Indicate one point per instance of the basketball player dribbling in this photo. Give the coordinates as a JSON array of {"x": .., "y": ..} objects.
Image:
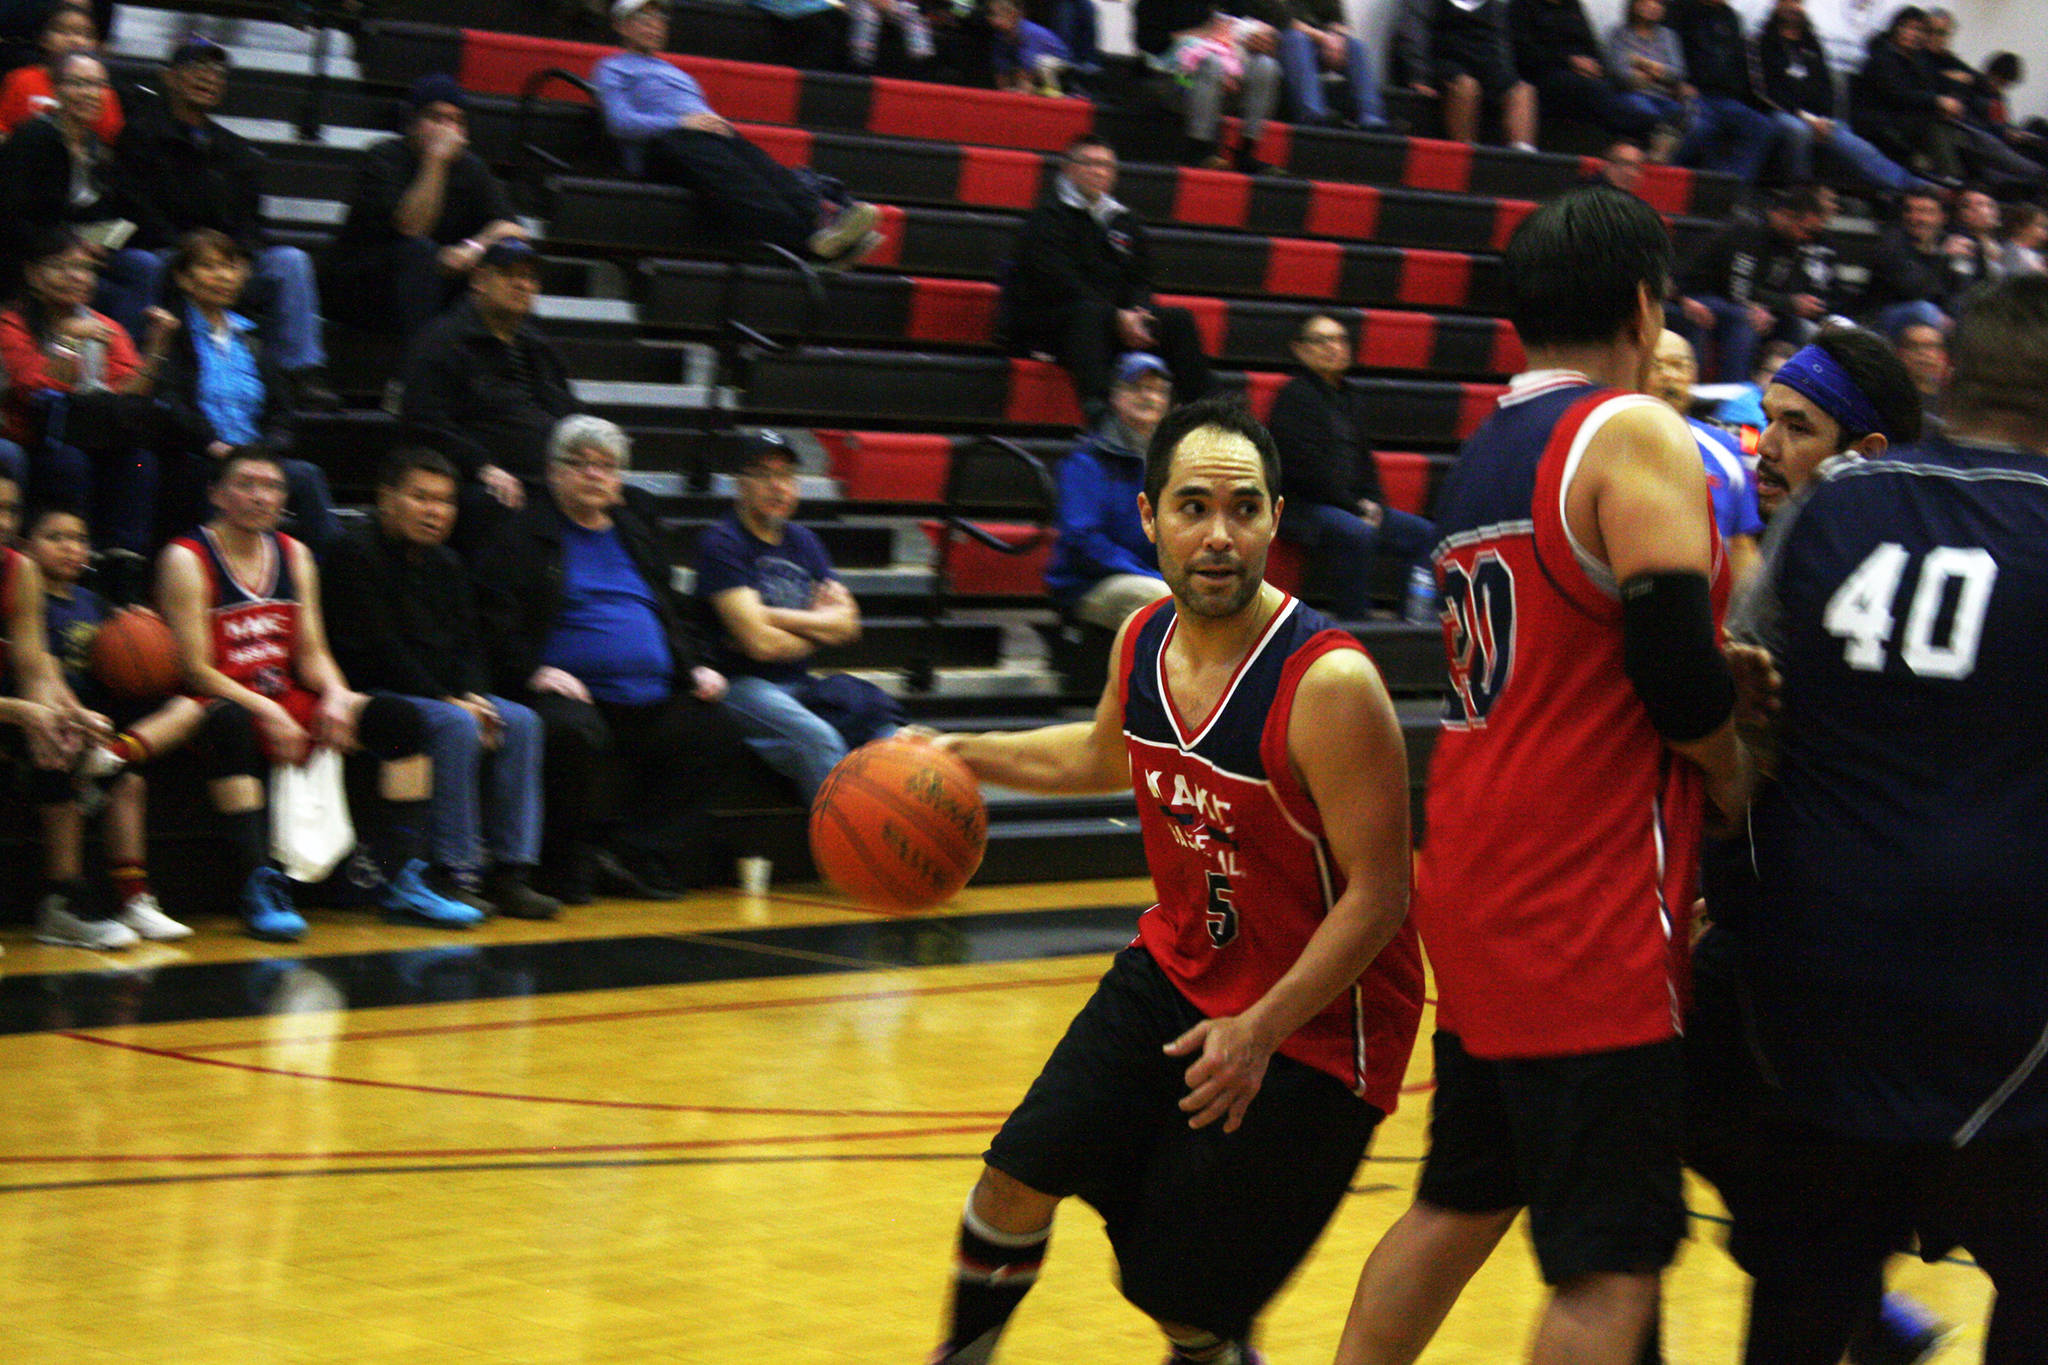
[{"x": 1214, "y": 1097}]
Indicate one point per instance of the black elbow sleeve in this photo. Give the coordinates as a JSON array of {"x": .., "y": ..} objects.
[{"x": 1672, "y": 657}]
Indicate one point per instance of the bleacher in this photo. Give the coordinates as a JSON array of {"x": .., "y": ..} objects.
[{"x": 887, "y": 375}]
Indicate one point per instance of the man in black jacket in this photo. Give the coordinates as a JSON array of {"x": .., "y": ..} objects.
[
  {"x": 1729, "y": 133},
  {"x": 404, "y": 621},
  {"x": 1753, "y": 281},
  {"x": 1897, "y": 103},
  {"x": 584, "y": 628},
  {"x": 1555, "y": 51},
  {"x": 485, "y": 388},
  {"x": 1920, "y": 271},
  {"x": 176, "y": 169},
  {"x": 1080, "y": 290},
  {"x": 1335, "y": 509},
  {"x": 1800, "y": 86}
]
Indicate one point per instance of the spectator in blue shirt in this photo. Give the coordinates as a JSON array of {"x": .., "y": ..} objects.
[
  {"x": 771, "y": 588},
  {"x": 1104, "y": 567},
  {"x": 668, "y": 132},
  {"x": 1027, "y": 57}
]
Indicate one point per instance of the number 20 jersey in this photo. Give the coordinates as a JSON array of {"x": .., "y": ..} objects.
[
  {"x": 1237, "y": 854},
  {"x": 1560, "y": 861}
]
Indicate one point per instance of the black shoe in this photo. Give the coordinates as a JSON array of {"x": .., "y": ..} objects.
[
  {"x": 1246, "y": 160},
  {"x": 312, "y": 393},
  {"x": 442, "y": 882},
  {"x": 614, "y": 878},
  {"x": 507, "y": 888}
]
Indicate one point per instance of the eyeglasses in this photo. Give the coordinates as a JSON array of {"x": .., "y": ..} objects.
[
  {"x": 581, "y": 466},
  {"x": 1326, "y": 339}
]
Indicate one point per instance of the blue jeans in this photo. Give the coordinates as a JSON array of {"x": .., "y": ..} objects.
[
  {"x": 1300, "y": 58},
  {"x": 790, "y": 738},
  {"x": 1662, "y": 108},
  {"x": 486, "y": 805},
  {"x": 1748, "y": 133},
  {"x": 1796, "y": 143},
  {"x": 1342, "y": 548},
  {"x": 284, "y": 293}
]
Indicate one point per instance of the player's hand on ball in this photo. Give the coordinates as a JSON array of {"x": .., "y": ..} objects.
[{"x": 1226, "y": 1075}]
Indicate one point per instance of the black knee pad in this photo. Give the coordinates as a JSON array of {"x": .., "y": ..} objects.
[
  {"x": 229, "y": 744},
  {"x": 391, "y": 728}
]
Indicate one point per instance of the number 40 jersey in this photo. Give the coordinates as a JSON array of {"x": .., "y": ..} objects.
[
  {"x": 1237, "y": 854},
  {"x": 1560, "y": 862}
]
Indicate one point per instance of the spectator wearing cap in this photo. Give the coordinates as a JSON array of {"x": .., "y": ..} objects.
[
  {"x": 1334, "y": 506},
  {"x": 1104, "y": 566},
  {"x": 485, "y": 388},
  {"x": 668, "y": 132},
  {"x": 30, "y": 91},
  {"x": 424, "y": 209},
  {"x": 179, "y": 170},
  {"x": 56, "y": 172},
  {"x": 771, "y": 587}
]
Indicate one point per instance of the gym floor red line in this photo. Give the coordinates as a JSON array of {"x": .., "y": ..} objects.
[{"x": 616, "y": 1016}]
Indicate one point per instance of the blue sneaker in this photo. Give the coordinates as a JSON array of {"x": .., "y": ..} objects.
[
  {"x": 1904, "y": 1334},
  {"x": 407, "y": 897},
  {"x": 267, "y": 910}
]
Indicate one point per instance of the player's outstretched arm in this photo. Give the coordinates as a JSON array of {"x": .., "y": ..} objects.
[
  {"x": 1345, "y": 742},
  {"x": 1086, "y": 756},
  {"x": 1647, "y": 505}
]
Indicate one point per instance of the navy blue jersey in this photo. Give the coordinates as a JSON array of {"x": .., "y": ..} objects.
[{"x": 1891, "y": 918}]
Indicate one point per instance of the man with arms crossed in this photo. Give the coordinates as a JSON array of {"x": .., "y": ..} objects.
[
  {"x": 1214, "y": 1097},
  {"x": 1591, "y": 722}
]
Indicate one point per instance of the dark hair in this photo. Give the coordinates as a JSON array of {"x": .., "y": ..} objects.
[
  {"x": 1875, "y": 369},
  {"x": 1800, "y": 17},
  {"x": 201, "y": 242},
  {"x": 59, "y": 11},
  {"x": 251, "y": 453},
  {"x": 1629, "y": 15},
  {"x": 1082, "y": 143},
  {"x": 1320, "y": 315},
  {"x": 2015, "y": 217},
  {"x": 1907, "y": 14},
  {"x": 1998, "y": 353},
  {"x": 1920, "y": 192},
  {"x": 1227, "y": 413},
  {"x": 1576, "y": 267},
  {"x": 1804, "y": 197},
  {"x": 2005, "y": 66},
  {"x": 44, "y": 245},
  {"x": 43, "y": 511},
  {"x": 405, "y": 461}
]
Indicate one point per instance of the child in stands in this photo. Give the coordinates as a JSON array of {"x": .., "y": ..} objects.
[{"x": 60, "y": 543}]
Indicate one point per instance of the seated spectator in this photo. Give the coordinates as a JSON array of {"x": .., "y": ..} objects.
[
  {"x": 1923, "y": 350},
  {"x": 55, "y": 172},
  {"x": 1334, "y": 508},
  {"x": 30, "y": 92},
  {"x": 2002, "y": 72},
  {"x": 1919, "y": 271},
  {"x": 864, "y": 20},
  {"x": 66, "y": 912},
  {"x": 179, "y": 170},
  {"x": 584, "y": 628},
  {"x": 1028, "y": 58},
  {"x": 220, "y": 390},
  {"x": 77, "y": 396},
  {"x": 1728, "y": 133},
  {"x": 1896, "y": 103},
  {"x": 1752, "y": 282},
  {"x": 1080, "y": 285},
  {"x": 1206, "y": 66},
  {"x": 1646, "y": 63},
  {"x": 770, "y": 585},
  {"x": 1318, "y": 38},
  {"x": 668, "y": 132},
  {"x": 405, "y": 623},
  {"x": 1987, "y": 155},
  {"x": 1977, "y": 218},
  {"x": 1672, "y": 372},
  {"x": 1074, "y": 23},
  {"x": 1103, "y": 565},
  {"x": 485, "y": 388},
  {"x": 1460, "y": 49},
  {"x": 1620, "y": 166},
  {"x": 2022, "y": 232},
  {"x": 1555, "y": 51},
  {"x": 1799, "y": 83},
  {"x": 244, "y": 604},
  {"x": 424, "y": 210}
]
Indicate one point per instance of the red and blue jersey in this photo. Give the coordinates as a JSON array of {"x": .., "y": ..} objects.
[
  {"x": 1561, "y": 856},
  {"x": 255, "y": 622},
  {"x": 1238, "y": 856}
]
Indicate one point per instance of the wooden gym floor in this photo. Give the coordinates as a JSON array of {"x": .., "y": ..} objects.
[{"x": 733, "y": 1129}]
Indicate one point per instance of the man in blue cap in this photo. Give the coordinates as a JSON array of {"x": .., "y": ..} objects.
[{"x": 1103, "y": 565}]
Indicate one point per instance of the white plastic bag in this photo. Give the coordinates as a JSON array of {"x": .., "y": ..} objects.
[{"x": 310, "y": 832}]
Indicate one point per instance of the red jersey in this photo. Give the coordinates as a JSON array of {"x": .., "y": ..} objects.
[
  {"x": 255, "y": 622},
  {"x": 11, "y": 562},
  {"x": 1237, "y": 854},
  {"x": 1561, "y": 858}
]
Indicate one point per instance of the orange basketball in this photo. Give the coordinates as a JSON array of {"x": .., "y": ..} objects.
[
  {"x": 898, "y": 825},
  {"x": 135, "y": 655}
]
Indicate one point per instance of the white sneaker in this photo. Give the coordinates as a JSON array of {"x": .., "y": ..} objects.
[
  {"x": 56, "y": 924},
  {"x": 148, "y": 920}
]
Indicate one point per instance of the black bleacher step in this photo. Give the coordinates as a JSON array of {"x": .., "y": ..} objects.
[
  {"x": 1410, "y": 658},
  {"x": 903, "y": 641},
  {"x": 1062, "y": 850}
]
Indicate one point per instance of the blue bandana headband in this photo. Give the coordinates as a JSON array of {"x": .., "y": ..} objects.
[{"x": 1817, "y": 375}]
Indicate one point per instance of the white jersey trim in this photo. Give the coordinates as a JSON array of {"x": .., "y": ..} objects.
[
  {"x": 1244, "y": 666},
  {"x": 1602, "y": 577},
  {"x": 1535, "y": 383}
]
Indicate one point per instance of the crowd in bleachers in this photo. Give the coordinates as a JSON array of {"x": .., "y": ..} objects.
[{"x": 160, "y": 345}]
